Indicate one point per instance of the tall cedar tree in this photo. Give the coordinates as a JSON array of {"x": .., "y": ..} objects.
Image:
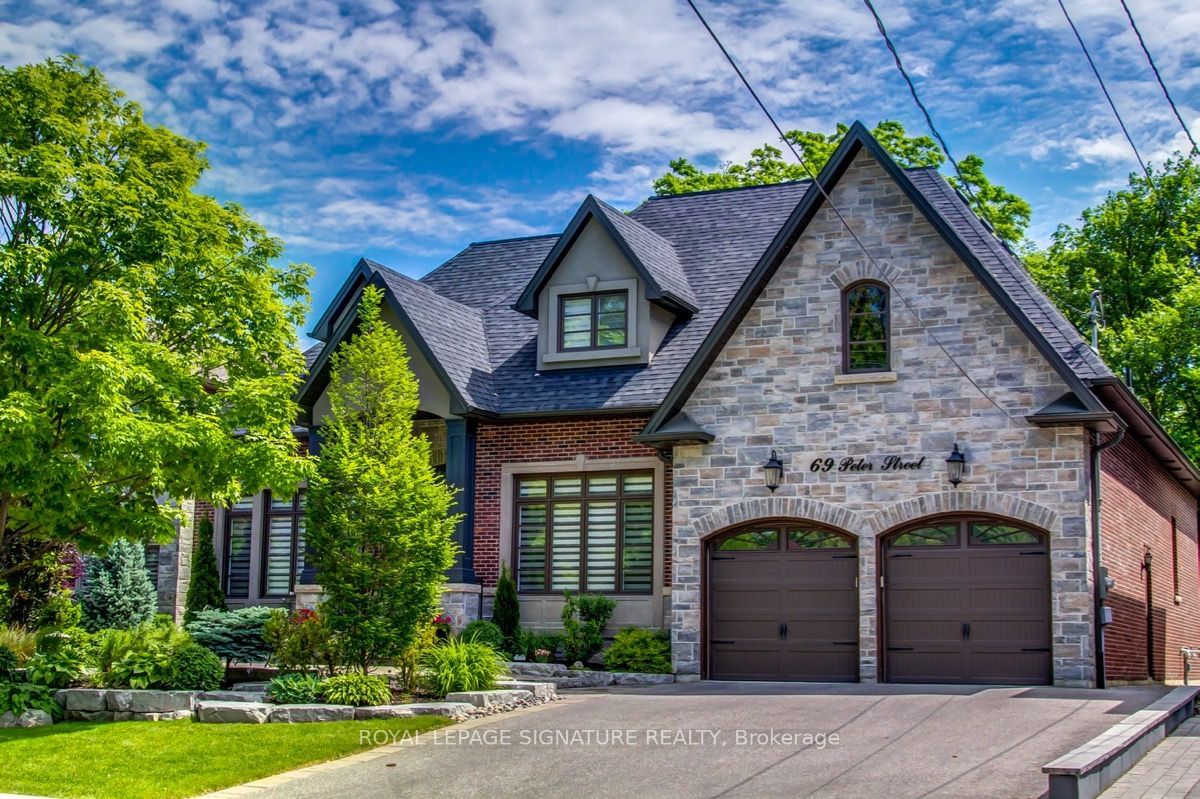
[
  {"x": 147, "y": 338},
  {"x": 204, "y": 589},
  {"x": 379, "y": 523},
  {"x": 116, "y": 590}
]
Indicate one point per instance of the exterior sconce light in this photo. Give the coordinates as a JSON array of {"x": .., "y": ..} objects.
[
  {"x": 773, "y": 471},
  {"x": 954, "y": 466}
]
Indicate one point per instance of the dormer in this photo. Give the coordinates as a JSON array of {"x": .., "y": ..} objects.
[{"x": 607, "y": 293}]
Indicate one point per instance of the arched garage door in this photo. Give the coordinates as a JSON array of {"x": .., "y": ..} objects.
[
  {"x": 783, "y": 604},
  {"x": 967, "y": 601}
]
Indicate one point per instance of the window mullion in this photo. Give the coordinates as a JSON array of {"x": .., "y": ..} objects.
[{"x": 584, "y": 509}]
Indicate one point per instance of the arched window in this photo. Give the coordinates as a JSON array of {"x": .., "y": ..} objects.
[{"x": 866, "y": 317}]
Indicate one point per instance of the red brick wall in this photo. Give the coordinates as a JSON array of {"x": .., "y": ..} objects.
[
  {"x": 547, "y": 440},
  {"x": 1140, "y": 499}
]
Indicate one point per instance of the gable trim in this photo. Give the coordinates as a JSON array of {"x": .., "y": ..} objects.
[
  {"x": 855, "y": 140},
  {"x": 591, "y": 210},
  {"x": 318, "y": 376}
]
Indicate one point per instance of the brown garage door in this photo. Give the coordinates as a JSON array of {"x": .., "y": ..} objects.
[
  {"x": 783, "y": 605},
  {"x": 967, "y": 601}
]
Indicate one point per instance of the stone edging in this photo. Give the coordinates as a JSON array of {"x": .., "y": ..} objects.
[
  {"x": 1085, "y": 772},
  {"x": 563, "y": 677},
  {"x": 123, "y": 704}
]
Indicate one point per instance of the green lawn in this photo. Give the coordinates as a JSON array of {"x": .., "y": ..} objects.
[{"x": 132, "y": 759}]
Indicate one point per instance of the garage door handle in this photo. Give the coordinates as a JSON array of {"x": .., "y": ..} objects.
[
  {"x": 783, "y": 631},
  {"x": 966, "y": 630}
]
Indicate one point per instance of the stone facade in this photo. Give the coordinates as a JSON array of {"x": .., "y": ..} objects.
[
  {"x": 778, "y": 384},
  {"x": 175, "y": 564}
]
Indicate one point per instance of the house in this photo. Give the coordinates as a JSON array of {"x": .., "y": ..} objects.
[{"x": 806, "y": 462}]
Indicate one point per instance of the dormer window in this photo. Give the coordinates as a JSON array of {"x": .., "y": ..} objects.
[{"x": 595, "y": 321}]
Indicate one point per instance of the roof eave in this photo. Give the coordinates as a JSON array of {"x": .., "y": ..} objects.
[{"x": 1149, "y": 431}]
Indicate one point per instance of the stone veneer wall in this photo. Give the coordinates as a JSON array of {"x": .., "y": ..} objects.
[
  {"x": 776, "y": 385},
  {"x": 1145, "y": 509},
  {"x": 175, "y": 564}
]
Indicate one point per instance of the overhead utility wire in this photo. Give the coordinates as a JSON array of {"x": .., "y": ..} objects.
[
  {"x": 912, "y": 89},
  {"x": 1158, "y": 77},
  {"x": 837, "y": 211},
  {"x": 1104, "y": 88}
]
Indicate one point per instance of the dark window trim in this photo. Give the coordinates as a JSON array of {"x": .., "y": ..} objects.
[
  {"x": 887, "y": 327},
  {"x": 782, "y": 541},
  {"x": 585, "y": 496},
  {"x": 964, "y": 539},
  {"x": 595, "y": 320},
  {"x": 296, "y": 513},
  {"x": 232, "y": 513},
  {"x": 1175, "y": 555}
]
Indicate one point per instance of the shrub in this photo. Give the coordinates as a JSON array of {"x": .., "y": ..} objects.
[
  {"x": 506, "y": 609},
  {"x": 408, "y": 664},
  {"x": 22, "y": 642},
  {"x": 584, "y": 618},
  {"x": 485, "y": 632},
  {"x": 17, "y": 697},
  {"x": 117, "y": 591},
  {"x": 8, "y": 663},
  {"x": 297, "y": 640},
  {"x": 59, "y": 611},
  {"x": 296, "y": 689},
  {"x": 532, "y": 642},
  {"x": 195, "y": 668},
  {"x": 112, "y": 645},
  {"x": 635, "y": 649},
  {"x": 236, "y": 635},
  {"x": 204, "y": 590},
  {"x": 56, "y": 669},
  {"x": 140, "y": 669},
  {"x": 359, "y": 690},
  {"x": 461, "y": 665}
]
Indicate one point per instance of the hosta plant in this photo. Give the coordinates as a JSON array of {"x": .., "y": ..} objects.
[
  {"x": 360, "y": 690},
  {"x": 295, "y": 689}
]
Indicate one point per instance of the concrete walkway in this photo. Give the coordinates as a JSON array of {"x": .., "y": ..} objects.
[
  {"x": 1170, "y": 771},
  {"x": 739, "y": 740}
]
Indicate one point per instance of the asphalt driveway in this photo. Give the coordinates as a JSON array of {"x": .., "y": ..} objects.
[{"x": 745, "y": 740}]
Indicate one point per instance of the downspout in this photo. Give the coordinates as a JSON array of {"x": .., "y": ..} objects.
[{"x": 1097, "y": 574}]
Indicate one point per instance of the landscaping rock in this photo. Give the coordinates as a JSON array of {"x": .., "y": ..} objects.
[
  {"x": 449, "y": 709},
  {"x": 300, "y": 714},
  {"x": 87, "y": 700},
  {"x": 118, "y": 700},
  {"x": 161, "y": 701},
  {"x": 252, "y": 687},
  {"x": 641, "y": 678},
  {"x": 123, "y": 715},
  {"x": 232, "y": 712},
  {"x": 541, "y": 690},
  {"x": 170, "y": 715},
  {"x": 382, "y": 712},
  {"x": 584, "y": 679},
  {"x": 527, "y": 669},
  {"x": 7, "y": 720},
  {"x": 231, "y": 696},
  {"x": 34, "y": 718},
  {"x": 489, "y": 698},
  {"x": 89, "y": 715}
]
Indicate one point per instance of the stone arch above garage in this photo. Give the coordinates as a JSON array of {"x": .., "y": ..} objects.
[
  {"x": 748, "y": 510},
  {"x": 958, "y": 502}
]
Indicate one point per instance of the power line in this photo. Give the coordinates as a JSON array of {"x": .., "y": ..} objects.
[
  {"x": 837, "y": 211},
  {"x": 1158, "y": 77},
  {"x": 1104, "y": 88},
  {"x": 912, "y": 89}
]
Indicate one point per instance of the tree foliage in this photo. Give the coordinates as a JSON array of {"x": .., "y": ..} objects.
[
  {"x": 379, "y": 523},
  {"x": 506, "y": 608},
  {"x": 1139, "y": 247},
  {"x": 147, "y": 340},
  {"x": 116, "y": 590},
  {"x": 1007, "y": 212},
  {"x": 204, "y": 589}
]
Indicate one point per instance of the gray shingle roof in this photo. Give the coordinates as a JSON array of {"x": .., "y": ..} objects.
[
  {"x": 656, "y": 254},
  {"x": 706, "y": 243}
]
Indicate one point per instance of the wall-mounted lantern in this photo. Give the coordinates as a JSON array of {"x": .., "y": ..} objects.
[
  {"x": 955, "y": 465},
  {"x": 773, "y": 471}
]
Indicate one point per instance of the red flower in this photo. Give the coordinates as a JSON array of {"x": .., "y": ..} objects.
[
  {"x": 443, "y": 618},
  {"x": 303, "y": 616}
]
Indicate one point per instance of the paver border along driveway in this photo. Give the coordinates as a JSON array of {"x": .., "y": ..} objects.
[{"x": 743, "y": 740}]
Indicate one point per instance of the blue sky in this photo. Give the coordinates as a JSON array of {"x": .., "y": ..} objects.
[{"x": 403, "y": 131}]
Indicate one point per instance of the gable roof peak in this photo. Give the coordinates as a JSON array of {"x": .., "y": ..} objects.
[{"x": 651, "y": 256}]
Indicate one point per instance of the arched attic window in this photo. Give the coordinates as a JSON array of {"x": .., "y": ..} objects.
[{"x": 866, "y": 328}]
